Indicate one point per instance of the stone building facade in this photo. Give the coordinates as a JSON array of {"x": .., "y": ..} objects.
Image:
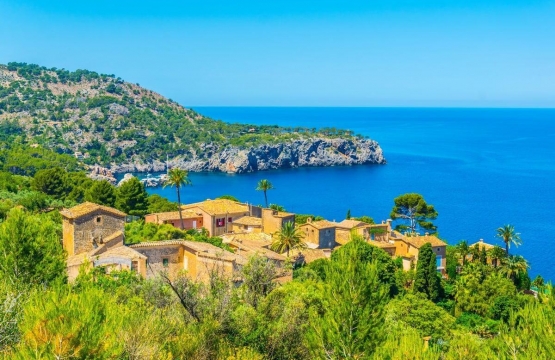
[{"x": 85, "y": 226}]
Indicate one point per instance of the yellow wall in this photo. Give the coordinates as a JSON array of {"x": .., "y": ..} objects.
[{"x": 68, "y": 240}]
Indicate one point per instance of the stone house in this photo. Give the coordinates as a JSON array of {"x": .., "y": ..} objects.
[
  {"x": 408, "y": 247},
  {"x": 191, "y": 219},
  {"x": 94, "y": 235},
  {"x": 273, "y": 220},
  {"x": 319, "y": 234},
  {"x": 247, "y": 224},
  {"x": 249, "y": 244},
  {"x": 86, "y": 226},
  {"x": 198, "y": 259},
  {"x": 218, "y": 215},
  {"x": 483, "y": 245}
]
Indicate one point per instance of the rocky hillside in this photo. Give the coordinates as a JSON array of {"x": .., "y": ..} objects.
[{"x": 108, "y": 122}]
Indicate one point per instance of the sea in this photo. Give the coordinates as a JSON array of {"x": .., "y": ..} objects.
[{"x": 480, "y": 168}]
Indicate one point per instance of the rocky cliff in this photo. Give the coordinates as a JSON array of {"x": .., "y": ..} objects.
[
  {"x": 308, "y": 152},
  {"x": 114, "y": 126}
]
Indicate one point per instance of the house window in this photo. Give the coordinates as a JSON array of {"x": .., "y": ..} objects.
[
  {"x": 166, "y": 262},
  {"x": 229, "y": 220},
  {"x": 98, "y": 219},
  {"x": 372, "y": 236},
  {"x": 135, "y": 266},
  {"x": 220, "y": 222},
  {"x": 245, "y": 227},
  {"x": 437, "y": 249},
  {"x": 438, "y": 262}
]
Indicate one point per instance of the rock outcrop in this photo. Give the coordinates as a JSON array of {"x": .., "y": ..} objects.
[{"x": 309, "y": 152}]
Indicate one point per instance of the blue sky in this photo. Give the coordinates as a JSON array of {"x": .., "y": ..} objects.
[{"x": 292, "y": 53}]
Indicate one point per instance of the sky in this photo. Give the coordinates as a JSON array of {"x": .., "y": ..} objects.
[{"x": 431, "y": 53}]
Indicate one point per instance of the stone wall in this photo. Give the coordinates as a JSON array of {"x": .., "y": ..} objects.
[
  {"x": 93, "y": 227},
  {"x": 156, "y": 256}
]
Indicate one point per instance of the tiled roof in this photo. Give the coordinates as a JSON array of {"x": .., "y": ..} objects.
[
  {"x": 418, "y": 241},
  {"x": 322, "y": 224},
  {"x": 350, "y": 224},
  {"x": 121, "y": 251},
  {"x": 255, "y": 247},
  {"x": 482, "y": 244},
  {"x": 282, "y": 214},
  {"x": 249, "y": 220},
  {"x": 203, "y": 249},
  {"x": 311, "y": 255},
  {"x": 260, "y": 238},
  {"x": 174, "y": 215},
  {"x": 219, "y": 206},
  {"x": 382, "y": 244},
  {"x": 87, "y": 208},
  {"x": 112, "y": 236}
]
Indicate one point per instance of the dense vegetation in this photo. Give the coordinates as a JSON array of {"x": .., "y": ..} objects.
[
  {"x": 109, "y": 120},
  {"x": 358, "y": 304}
]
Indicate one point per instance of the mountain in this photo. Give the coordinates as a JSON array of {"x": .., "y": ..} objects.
[{"x": 111, "y": 123}]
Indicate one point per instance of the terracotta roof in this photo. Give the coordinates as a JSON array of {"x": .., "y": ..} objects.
[
  {"x": 321, "y": 224},
  {"x": 282, "y": 214},
  {"x": 203, "y": 249},
  {"x": 121, "y": 251},
  {"x": 254, "y": 247},
  {"x": 112, "y": 236},
  {"x": 418, "y": 241},
  {"x": 311, "y": 255},
  {"x": 87, "y": 208},
  {"x": 351, "y": 224},
  {"x": 174, "y": 215},
  {"x": 260, "y": 238},
  {"x": 219, "y": 206},
  {"x": 249, "y": 220},
  {"x": 382, "y": 244},
  {"x": 482, "y": 244}
]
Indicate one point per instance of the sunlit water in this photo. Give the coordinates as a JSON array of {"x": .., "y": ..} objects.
[{"x": 481, "y": 168}]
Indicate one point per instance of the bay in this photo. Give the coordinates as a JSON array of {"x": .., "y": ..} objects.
[{"x": 480, "y": 168}]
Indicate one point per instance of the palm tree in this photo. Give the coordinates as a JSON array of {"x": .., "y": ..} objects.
[
  {"x": 509, "y": 235},
  {"x": 288, "y": 238},
  {"x": 514, "y": 265},
  {"x": 265, "y": 185},
  {"x": 497, "y": 254},
  {"x": 462, "y": 249},
  {"x": 178, "y": 178}
]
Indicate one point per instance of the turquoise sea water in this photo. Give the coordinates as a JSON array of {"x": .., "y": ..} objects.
[{"x": 481, "y": 168}]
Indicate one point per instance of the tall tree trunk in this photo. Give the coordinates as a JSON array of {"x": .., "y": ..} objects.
[
  {"x": 179, "y": 206},
  {"x": 507, "y": 247}
]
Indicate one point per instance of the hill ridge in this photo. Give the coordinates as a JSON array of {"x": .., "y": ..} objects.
[{"x": 124, "y": 127}]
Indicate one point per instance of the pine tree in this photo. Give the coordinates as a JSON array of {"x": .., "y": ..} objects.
[
  {"x": 132, "y": 198},
  {"x": 350, "y": 325},
  {"x": 102, "y": 193}
]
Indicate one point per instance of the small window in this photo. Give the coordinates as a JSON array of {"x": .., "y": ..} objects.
[
  {"x": 135, "y": 266},
  {"x": 166, "y": 262},
  {"x": 98, "y": 219},
  {"x": 229, "y": 220}
]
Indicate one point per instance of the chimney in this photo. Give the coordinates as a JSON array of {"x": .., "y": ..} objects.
[
  {"x": 481, "y": 240},
  {"x": 426, "y": 233}
]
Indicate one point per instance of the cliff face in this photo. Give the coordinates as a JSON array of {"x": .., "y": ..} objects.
[
  {"x": 309, "y": 152},
  {"x": 114, "y": 126}
]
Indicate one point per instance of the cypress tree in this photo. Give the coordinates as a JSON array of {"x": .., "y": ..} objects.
[{"x": 427, "y": 280}]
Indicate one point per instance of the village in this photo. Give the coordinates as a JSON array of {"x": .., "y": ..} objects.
[{"x": 94, "y": 235}]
